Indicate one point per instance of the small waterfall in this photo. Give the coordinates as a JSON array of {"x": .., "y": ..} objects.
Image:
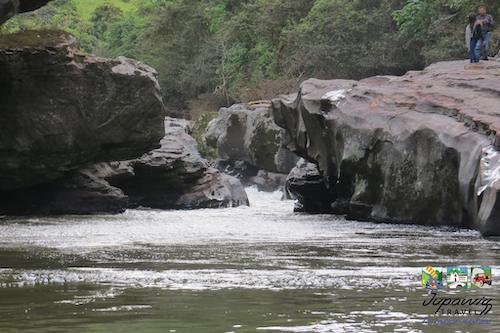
[{"x": 489, "y": 169}]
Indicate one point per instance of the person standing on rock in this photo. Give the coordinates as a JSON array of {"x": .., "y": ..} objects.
[
  {"x": 474, "y": 38},
  {"x": 487, "y": 24}
]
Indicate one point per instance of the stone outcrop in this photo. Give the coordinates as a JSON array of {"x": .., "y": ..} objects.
[
  {"x": 248, "y": 134},
  {"x": 401, "y": 149},
  {"x": 61, "y": 109}
]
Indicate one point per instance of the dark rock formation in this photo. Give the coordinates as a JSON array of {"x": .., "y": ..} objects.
[
  {"x": 9, "y": 8},
  {"x": 175, "y": 176},
  {"x": 63, "y": 109},
  {"x": 247, "y": 134},
  {"x": 80, "y": 192},
  {"x": 306, "y": 184},
  {"x": 401, "y": 149},
  {"x": 213, "y": 190},
  {"x": 30, "y": 5}
]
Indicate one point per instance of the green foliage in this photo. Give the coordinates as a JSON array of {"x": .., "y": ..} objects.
[
  {"x": 435, "y": 28},
  {"x": 180, "y": 45},
  {"x": 229, "y": 48},
  {"x": 354, "y": 42},
  {"x": 103, "y": 17}
]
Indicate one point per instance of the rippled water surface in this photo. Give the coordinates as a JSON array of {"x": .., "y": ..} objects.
[{"x": 258, "y": 269}]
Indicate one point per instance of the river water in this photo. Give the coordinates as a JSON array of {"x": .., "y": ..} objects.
[{"x": 248, "y": 269}]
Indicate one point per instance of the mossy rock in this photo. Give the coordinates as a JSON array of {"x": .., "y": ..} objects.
[{"x": 36, "y": 39}]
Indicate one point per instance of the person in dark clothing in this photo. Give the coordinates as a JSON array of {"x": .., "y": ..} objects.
[
  {"x": 487, "y": 26},
  {"x": 474, "y": 38}
]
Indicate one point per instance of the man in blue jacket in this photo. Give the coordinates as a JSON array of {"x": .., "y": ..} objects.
[{"x": 488, "y": 24}]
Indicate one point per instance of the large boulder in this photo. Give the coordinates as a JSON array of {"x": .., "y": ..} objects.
[
  {"x": 248, "y": 133},
  {"x": 402, "y": 149},
  {"x": 175, "y": 176},
  {"x": 307, "y": 185},
  {"x": 61, "y": 109}
]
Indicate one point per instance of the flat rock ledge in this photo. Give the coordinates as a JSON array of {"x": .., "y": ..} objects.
[{"x": 416, "y": 149}]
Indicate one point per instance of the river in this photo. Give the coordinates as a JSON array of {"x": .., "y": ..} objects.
[{"x": 249, "y": 269}]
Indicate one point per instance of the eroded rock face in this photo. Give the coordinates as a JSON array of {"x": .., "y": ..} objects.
[
  {"x": 401, "y": 149},
  {"x": 63, "y": 109},
  {"x": 248, "y": 133}
]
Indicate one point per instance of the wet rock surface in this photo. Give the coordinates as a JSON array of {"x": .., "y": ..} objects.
[
  {"x": 81, "y": 192},
  {"x": 401, "y": 149}
]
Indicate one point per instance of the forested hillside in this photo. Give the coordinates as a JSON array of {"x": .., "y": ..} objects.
[{"x": 214, "y": 52}]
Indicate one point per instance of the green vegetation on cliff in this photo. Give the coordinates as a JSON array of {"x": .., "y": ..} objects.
[{"x": 230, "y": 50}]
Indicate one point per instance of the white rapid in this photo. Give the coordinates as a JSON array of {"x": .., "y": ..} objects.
[{"x": 259, "y": 268}]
